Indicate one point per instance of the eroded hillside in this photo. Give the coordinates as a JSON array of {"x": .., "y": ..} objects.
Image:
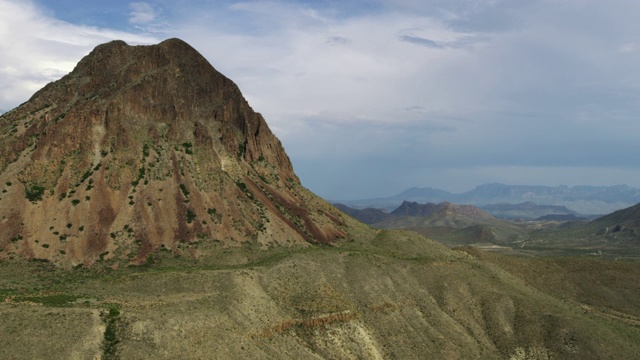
[{"x": 397, "y": 295}]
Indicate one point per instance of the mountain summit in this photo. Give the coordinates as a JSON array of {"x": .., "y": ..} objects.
[{"x": 148, "y": 148}]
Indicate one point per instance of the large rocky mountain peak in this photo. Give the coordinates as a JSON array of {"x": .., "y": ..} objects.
[{"x": 142, "y": 149}]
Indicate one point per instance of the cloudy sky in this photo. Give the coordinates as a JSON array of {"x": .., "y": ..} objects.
[{"x": 371, "y": 97}]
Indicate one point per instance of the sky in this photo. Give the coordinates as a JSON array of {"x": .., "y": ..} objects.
[{"x": 371, "y": 97}]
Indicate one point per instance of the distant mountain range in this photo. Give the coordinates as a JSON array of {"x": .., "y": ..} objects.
[
  {"x": 581, "y": 199},
  {"x": 527, "y": 210},
  {"x": 412, "y": 209},
  {"x": 524, "y": 211},
  {"x": 614, "y": 235}
]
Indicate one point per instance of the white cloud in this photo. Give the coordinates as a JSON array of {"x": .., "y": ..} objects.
[
  {"x": 629, "y": 47},
  {"x": 142, "y": 13},
  {"x": 356, "y": 69},
  {"x": 339, "y": 87},
  {"x": 431, "y": 85},
  {"x": 36, "y": 49}
]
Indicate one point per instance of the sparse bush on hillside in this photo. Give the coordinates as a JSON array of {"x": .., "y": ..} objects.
[
  {"x": 242, "y": 149},
  {"x": 145, "y": 150},
  {"x": 184, "y": 190},
  {"x": 191, "y": 216},
  {"x": 34, "y": 193},
  {"x": 188, "y": 148},
  {"x": 245, "y": 189}
]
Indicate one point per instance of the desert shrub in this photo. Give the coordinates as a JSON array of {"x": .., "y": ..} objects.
[
  {"x": 188, "y": 148},
  {"x": 86, "y": 175},
  {"x": 242, "y": 149},
  {"x": 110, "y": 336},
  {"x": 34, "y": 193},
  {"x": 184, "y": 190},
  {"x": 145, "y": 150},
  {"x": 191, "y": 216}
]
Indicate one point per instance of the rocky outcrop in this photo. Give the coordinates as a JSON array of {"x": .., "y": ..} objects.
[
  {"x": 148, "y": 148},
  {"x": 410, "y": 208}
]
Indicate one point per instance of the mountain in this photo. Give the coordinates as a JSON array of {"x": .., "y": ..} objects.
[
  {"x": 143, "y": 149},
  {"x": 615, "y": 235},
  {"x": 526, "y": 210},
  {"x": 561, "y": 217},
  {"x": 578, "y": 199},
  {"x": 622, "y": 220},
  {"x": 450, "y": 224},
  {"x": 454, "y": 225},
  {"x": 367, "y": 216},
  {"x": 409, "y": 208}
]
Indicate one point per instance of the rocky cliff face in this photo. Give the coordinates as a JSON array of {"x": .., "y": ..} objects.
[{"x": 142, "y": 149}]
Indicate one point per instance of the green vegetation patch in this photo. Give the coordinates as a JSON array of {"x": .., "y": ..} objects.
[
  {"x": 184, "y": 190},
  {"x": 245, "y": 189},
  {"x": 191, "y": 216},
  {"x": 58, "y": 300},
  {"x": 145, "y": 150},
  {"x": 188, "y": 148},
  {"x": 34, "y": 193},
  {"x": 4, "y": 293},
  {"x": 110, "y": 340}
]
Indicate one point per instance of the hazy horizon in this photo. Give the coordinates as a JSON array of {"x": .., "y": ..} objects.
[
  {"x": 457, "y": 192},
  {"x": 370, "y": 98}
]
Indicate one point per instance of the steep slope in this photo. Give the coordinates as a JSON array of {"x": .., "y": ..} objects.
[
  {"x": 147, "y": 148},
  {"x": 626, "y": 220}
]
